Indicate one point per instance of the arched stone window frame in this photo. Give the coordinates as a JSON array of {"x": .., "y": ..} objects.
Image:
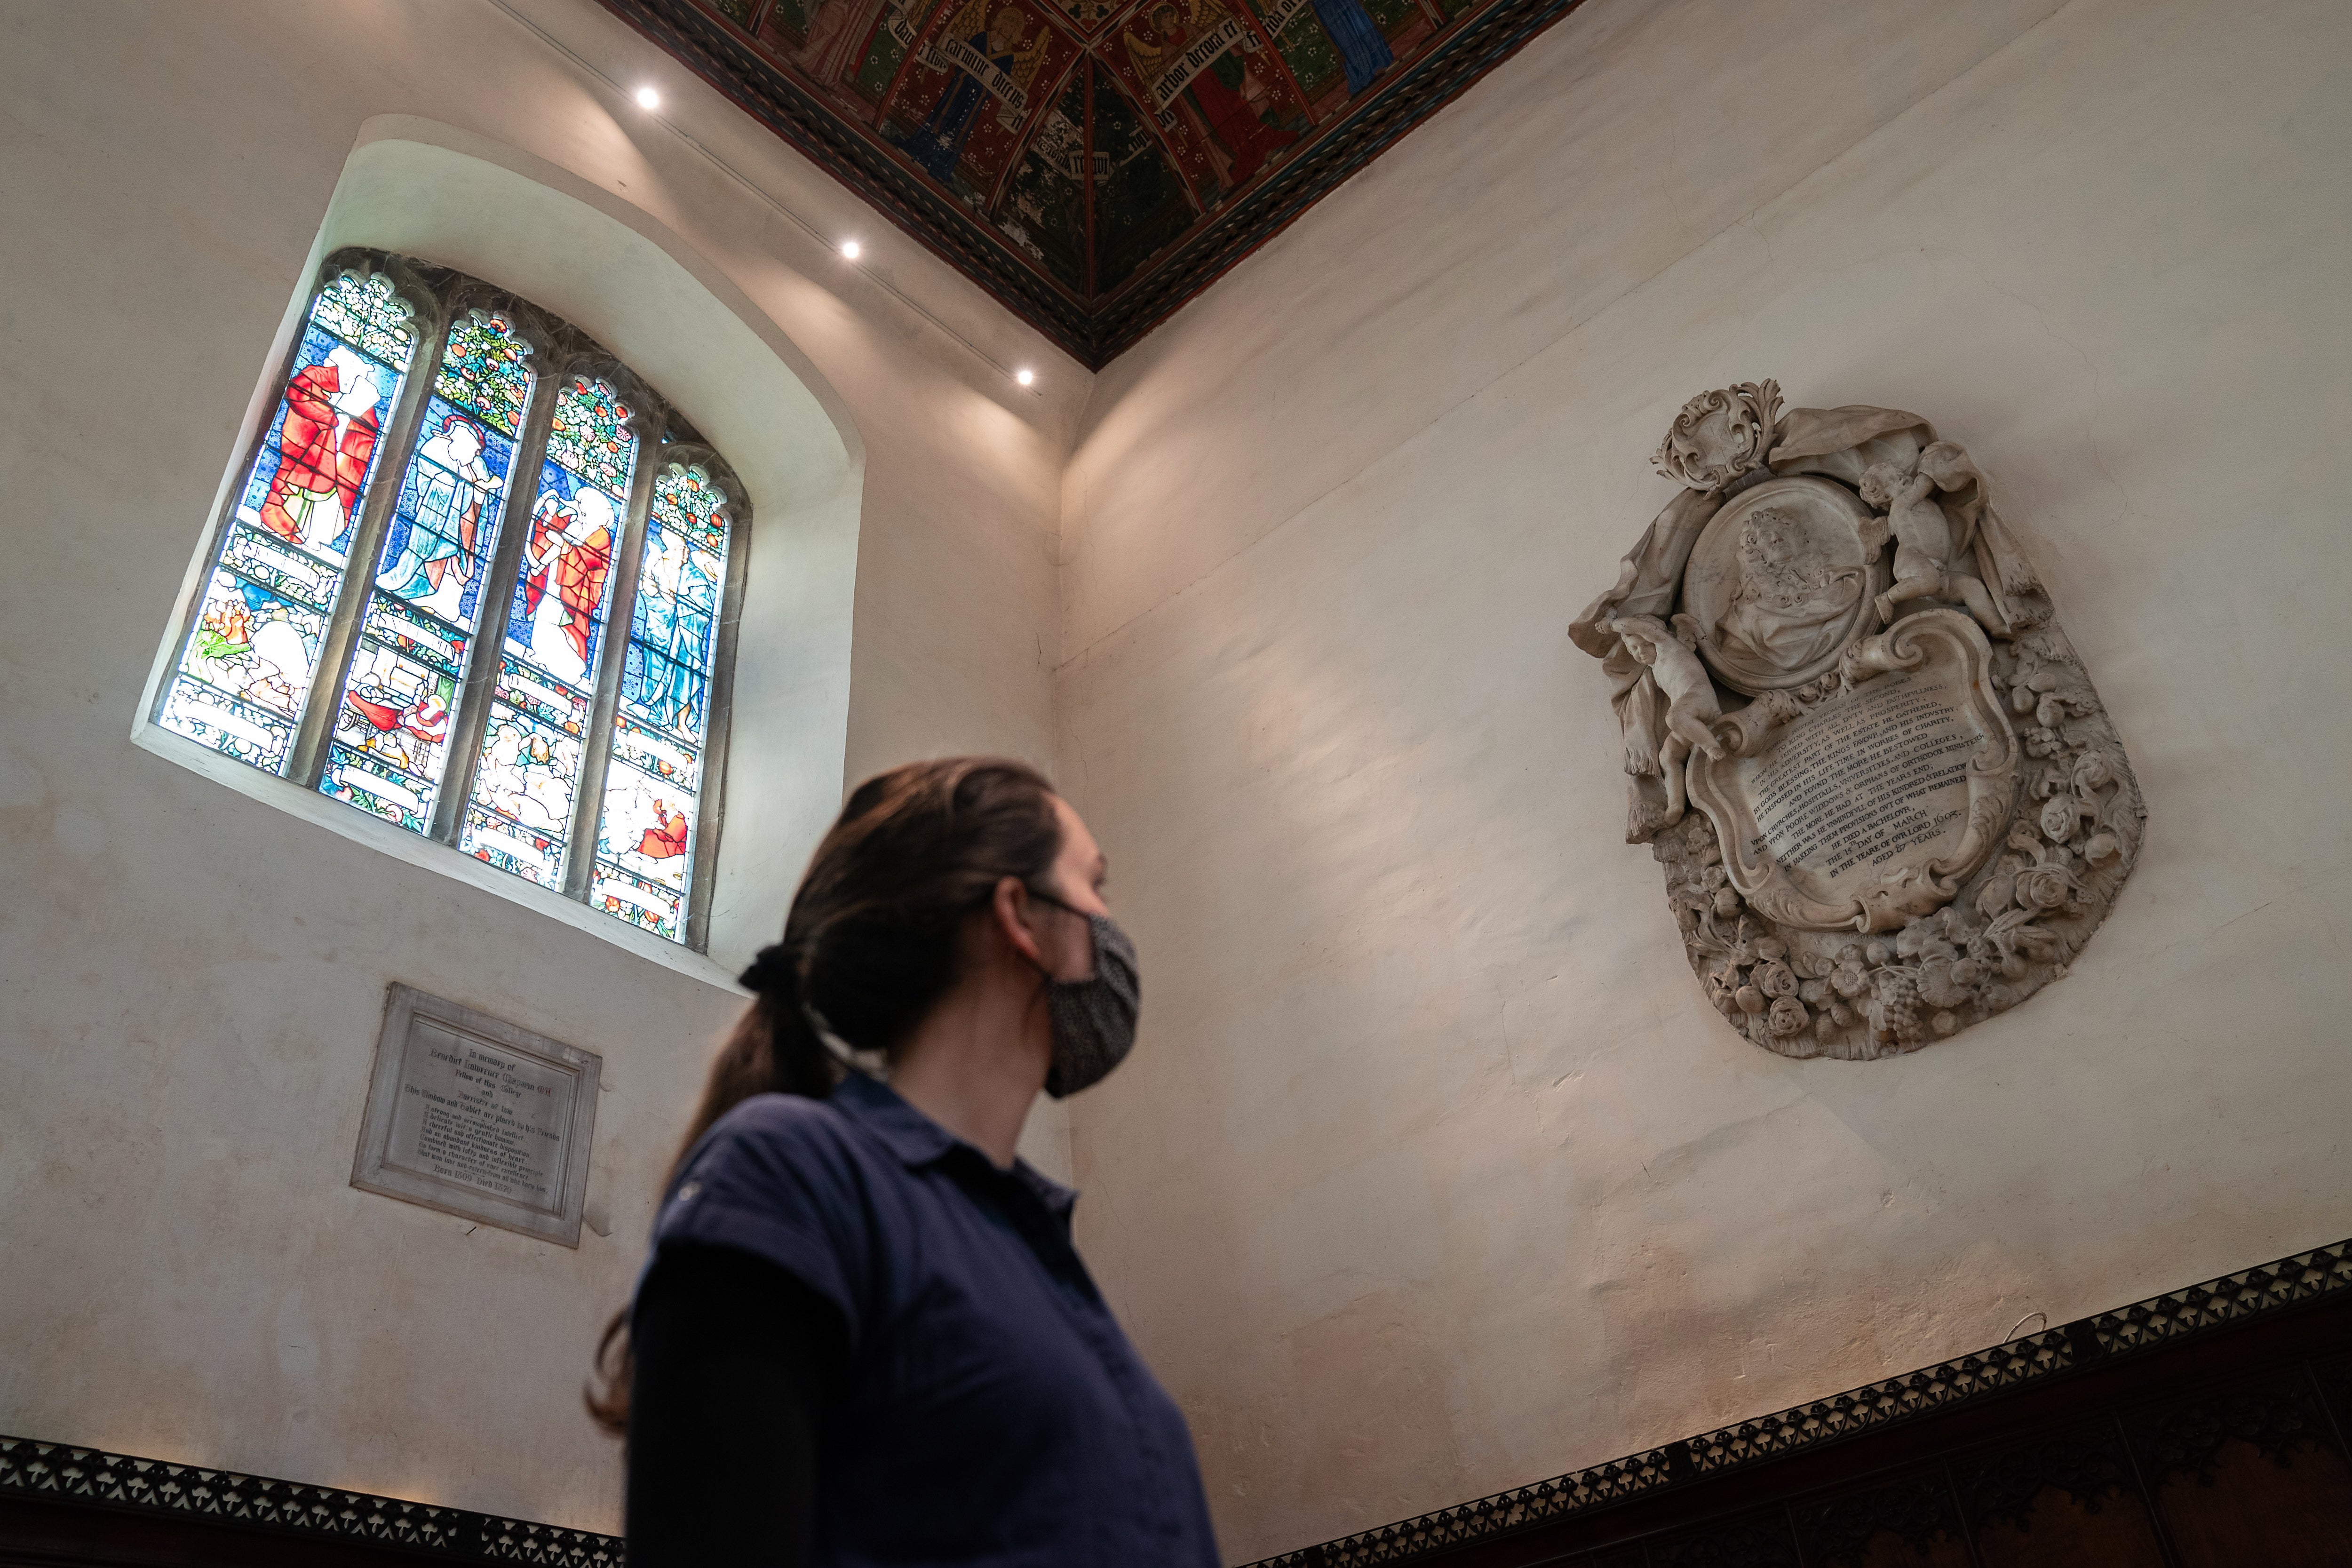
[{"x": 436, "y": 296}]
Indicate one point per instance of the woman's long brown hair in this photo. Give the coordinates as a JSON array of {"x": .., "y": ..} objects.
[{"x": 868, "y": 946}]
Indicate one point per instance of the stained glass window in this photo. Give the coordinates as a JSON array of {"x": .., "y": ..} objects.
[
  {"x": 391, "y": 735},
  {"x": 644, "y": 841},
  {"x": 589, "y": 436},
  {"x": 528, "y": 775},
  {"x": 472, "y": 643},
  {"x": 245, "y": 671}
]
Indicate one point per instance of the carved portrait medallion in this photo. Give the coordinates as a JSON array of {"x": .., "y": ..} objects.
[
  {"x": 1781, "y": 580},
  {"x": 1885, "y": 796}
]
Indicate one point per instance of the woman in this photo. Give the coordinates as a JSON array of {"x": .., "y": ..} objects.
[{"x": 863, "y": 1336}]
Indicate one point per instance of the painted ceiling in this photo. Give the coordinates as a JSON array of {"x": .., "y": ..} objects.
[{"x": 1093, "y": 164}]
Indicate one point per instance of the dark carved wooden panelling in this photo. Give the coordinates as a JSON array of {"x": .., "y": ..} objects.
[
  {"x": 2252, "y": 1474},
  {"x": 2334, "y": 1376},
  {"x": 2205, "y": 1428},
  {"x": 1908, "y": 1522},
  {"x": 2064, "y": 1501},
  {"x": 2274, "y": 1313},
  {"x": 1758, "y": 1542}
]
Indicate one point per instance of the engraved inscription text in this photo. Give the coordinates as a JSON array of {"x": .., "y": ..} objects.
[
  {"x": 1864, "y": 779},
  {"x": 477, "y": 1113}
]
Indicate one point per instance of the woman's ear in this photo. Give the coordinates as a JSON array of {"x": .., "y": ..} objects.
[{"x": 1011, "y": 908}]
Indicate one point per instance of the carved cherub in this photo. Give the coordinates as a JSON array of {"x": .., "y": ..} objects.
[
  {"x": 1692, "y": 709},
  {"x": 1927, "y": 555}
]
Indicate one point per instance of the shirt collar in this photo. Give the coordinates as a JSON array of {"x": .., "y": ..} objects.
[{"x": 917, "y": 1140}]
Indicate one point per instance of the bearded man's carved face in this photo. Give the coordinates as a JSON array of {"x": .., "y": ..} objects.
[{"x": 1764, "y": 543}]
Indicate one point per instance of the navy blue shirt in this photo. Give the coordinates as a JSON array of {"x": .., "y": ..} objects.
[{"x": 993, "y": 1411}]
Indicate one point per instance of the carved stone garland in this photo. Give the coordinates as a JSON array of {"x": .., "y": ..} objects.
[{"x": 1885, "y": 796}]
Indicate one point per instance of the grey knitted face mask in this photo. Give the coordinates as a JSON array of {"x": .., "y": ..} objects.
[{"x": 1093, "y": 1019}]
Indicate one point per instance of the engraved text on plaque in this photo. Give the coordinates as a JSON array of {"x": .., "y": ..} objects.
[
  {"x": 1860, "y": 781},
  {"x": 470, "y": 1114}
]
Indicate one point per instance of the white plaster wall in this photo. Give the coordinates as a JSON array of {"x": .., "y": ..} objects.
[
  {"x": 1433, "y": 1174},
  {"x": 191, "y": 980}
]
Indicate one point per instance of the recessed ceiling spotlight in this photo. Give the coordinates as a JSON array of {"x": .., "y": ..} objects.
[
  {"x": 648, "y": 98},
  {"x": 1024, "y": 376},
  {"x": 850, "y": 248}
]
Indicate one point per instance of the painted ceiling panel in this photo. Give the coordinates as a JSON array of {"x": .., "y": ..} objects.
[{"x": 1093, "y": 164}]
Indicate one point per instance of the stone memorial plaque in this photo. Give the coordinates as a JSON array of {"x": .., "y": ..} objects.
[
  {"x": 1870, "y": 806},
  {"x": 471, "y": 1115},
  {"x": 1885, "y": 796}
]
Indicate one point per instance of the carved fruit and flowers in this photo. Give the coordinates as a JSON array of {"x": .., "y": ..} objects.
[{"x": 2009, "y": 858}]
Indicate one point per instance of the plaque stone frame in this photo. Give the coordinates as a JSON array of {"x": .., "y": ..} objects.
[
  {"x": 1887, "y": 801},
  {"x": 476, "y": 1117}
]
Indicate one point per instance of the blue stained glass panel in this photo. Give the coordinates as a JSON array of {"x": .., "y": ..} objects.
[
  {"x": 392, "y": 714},
  {"x": 644, "y": 849},
  {"x": 663, "y": 691},
  {"x": 445, "y": 525},
  {"x": 565, "y": 584},
  {"x": 673, "y": 630}
]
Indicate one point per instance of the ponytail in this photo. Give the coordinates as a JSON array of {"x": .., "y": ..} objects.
[
  {"x": 869, "y": 945},
  {"x": 774, "y": 1049}
]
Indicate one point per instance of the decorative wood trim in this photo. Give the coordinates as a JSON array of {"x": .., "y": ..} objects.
[
  {"x": 59, "y": 1473},
  {"x": 1736, "y": 1472},
  {"x": 2323, "y": 1274}
]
